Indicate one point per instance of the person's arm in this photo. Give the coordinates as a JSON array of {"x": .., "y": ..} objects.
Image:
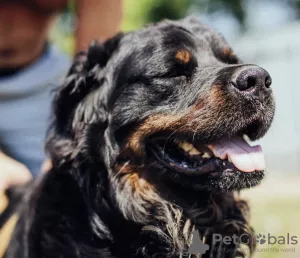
[
  {"x": 97, "y": 19},
  {"x": 12, "y": 172},
  {"x": 46, "y": 166}
]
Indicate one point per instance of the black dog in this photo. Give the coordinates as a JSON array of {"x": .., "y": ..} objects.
[{"x": 147, "y": 146}]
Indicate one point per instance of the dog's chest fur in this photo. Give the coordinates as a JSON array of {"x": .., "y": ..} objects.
[{"x": 62, "y": 220}]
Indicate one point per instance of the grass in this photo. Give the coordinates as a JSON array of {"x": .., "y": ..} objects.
[{"x": 275, "y": 209}]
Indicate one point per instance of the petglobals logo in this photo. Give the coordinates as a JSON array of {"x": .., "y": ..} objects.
[
  {"x": 261, "y": 239},
  {"x": 264, "y": 242},
  {"x": 273, "y": 240}
]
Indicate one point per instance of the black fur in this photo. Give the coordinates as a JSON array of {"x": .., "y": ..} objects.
[{"x": 107, "y": 195}]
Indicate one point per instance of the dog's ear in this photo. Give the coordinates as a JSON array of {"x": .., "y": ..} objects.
[
  {"x": 80, "y": 100},
  {"x": 217, "y": 42},
  {"x": 82, "y": 79}
]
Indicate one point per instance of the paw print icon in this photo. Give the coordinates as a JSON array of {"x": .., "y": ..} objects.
[
  {"x": 261, "y": 239},
  {"x": 197, "y": 246}
]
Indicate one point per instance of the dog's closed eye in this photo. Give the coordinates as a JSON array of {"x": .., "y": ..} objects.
[
  {"x": 227, "y": 55},
  {"x": 183, "y": 55},
  {"x": 181, "y": 62}
]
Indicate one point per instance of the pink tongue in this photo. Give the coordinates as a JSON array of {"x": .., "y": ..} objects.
[{"x": 243, "y": 156}]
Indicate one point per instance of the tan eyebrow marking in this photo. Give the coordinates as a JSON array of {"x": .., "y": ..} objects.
[
  {"x": 183, "y": 55},
  {"x": 228, "y": 51}
]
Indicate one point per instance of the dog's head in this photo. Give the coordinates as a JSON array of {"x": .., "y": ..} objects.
[{"x": 168, "y": 105}]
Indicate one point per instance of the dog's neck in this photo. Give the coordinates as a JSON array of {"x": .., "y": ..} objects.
[
  {"x": 160, "y": 222},
  {"x": 139, "y": 225}
]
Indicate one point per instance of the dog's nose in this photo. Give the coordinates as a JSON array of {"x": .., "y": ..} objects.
[{"x": 251, "y": 78}]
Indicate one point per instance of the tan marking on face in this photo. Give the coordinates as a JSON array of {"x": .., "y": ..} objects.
[
  {"x": 140, "y": 185},
  {"x": 185, "y": 122},
  {"x": 132, "y": 175},
  {"x": 199, "y": 105},
  {"x": 183, "y": 56},
  {"x": 228, "y": 52},
  {"x": 216, "y": 95},
  {"x": 153, "y": 124}
]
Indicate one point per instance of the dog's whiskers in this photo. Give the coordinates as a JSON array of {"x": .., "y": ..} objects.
[
  {"x": 194, "y": 133},
  {"x": 169, "y": 137},
  {"x": 121, "y": 170}
]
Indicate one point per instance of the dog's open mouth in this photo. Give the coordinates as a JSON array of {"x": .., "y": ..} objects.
[{"x": 227, "y": 155}]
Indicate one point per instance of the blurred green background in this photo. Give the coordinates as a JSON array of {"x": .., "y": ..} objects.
[
  {"x": 139, "y": 13},
  {"x": 264, "y": 32}
]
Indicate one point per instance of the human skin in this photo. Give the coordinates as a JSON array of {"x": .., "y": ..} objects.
[
  {"x": 23, "y": 35},
  {"x": 97, "y": 19},
  {"x": 12, "y": 172},
  {"x": 24, "y": 30}
]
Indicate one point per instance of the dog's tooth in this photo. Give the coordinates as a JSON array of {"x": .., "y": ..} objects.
[
  {"x": 194, "y": 151},
  {"x": 179, "y": 143},
  {"x": 229, "y": 159},
  {"x": 206, "y": 155},
  {"x": 185, "y": 146}
]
